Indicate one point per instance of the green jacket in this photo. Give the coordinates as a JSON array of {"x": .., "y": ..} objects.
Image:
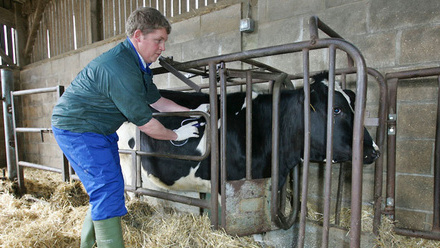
[{"x": 111, "y": 89}]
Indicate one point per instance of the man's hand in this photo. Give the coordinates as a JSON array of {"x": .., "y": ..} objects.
[
  {"x": 187, "y": 131},
  {"x": 204, "y": 107}
]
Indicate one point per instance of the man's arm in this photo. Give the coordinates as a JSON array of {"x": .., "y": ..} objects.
[
  {"x": 156, "y": 130},
  {"x": 167, "y": 105}
]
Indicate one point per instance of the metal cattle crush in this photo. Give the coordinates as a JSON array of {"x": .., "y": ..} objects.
[
  {"x": 215, "y": 68},
  {"x": 219, "y": 76}
]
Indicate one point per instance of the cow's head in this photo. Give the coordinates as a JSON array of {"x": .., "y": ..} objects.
[{"x": 343, "y": 113}]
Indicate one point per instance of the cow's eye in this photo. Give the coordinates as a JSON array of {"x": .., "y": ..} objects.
[{"x": 337, "y": 111}]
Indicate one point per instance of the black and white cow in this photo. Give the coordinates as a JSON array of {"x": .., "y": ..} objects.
[{"x": 185, "y": 175}]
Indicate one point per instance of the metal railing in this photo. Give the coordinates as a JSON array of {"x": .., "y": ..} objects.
[
  {"x": 65, "y": 169},
  {"x": 392, "y": 80},
  {"x": 217, "y": 148}
]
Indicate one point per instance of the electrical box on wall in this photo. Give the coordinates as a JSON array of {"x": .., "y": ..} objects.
[{"x": 247, "y": 25}]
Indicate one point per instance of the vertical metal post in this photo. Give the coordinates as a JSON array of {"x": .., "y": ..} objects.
[
  {"x": 329, "y": 151},
  {"x": 223, "y": 131},
  {"x": 391, "y": 145},
  {"x": 302, "y": 230},
  {"x": 358, "y": 151},
  {"x": 19, "y": 170},
  {"x": 436, "y": 211},
  {"x": 7, "y": 81},
  {"x": 248, "y": 125},
  {"x": 65, "y": 170},
  {"x": 214, "y": 143}
]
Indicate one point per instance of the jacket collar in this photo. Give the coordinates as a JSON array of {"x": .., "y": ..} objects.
[{"x": 145, "y": 67}]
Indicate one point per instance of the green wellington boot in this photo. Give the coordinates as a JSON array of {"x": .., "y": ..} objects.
[
  {"x": 88, "y": 232},
  {"x": 108, "y": 233}
]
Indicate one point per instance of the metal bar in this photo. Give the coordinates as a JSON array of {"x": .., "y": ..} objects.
[
  {"x": 34, "y": 91},
  {"x": 380, "y": 140},
  {"x": 7, "y": 81},
  {"x": 306, "y": 163},
  {"x": 329, "y": 151},
  {"x": 248, "y": 125},
  {"x": 414, "y": 73},
  {"x": 338, "y": 206},
  {"x": 261, "y": 65},
  {"x": 416, "y": 233},
  {"x": 172, "y": 197},
  {"x": 436, "y": 210},
  {"x": 223, "y": 142},
  {"x": 214, "y": 143},
  {"x": 65, "y": 169},
  {"x": 33, "y": 130},
  {"x": 391, "y": 147},
  {"x": 358, "y": 138},
  {"x": 276, "y": 91},
  {"x": 38, "y": 166},
  {"x": 273, "y": 50},
  {"x": 163, "y": 62},
  {"x": 19, "y": 170},
  {"x": 315, "y": 23}
]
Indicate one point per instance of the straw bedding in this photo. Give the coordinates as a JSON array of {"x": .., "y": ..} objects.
[{"x": 52, "y": 212}]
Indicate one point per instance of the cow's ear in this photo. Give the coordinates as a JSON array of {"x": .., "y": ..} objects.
[{"x": 352, "y": 97}]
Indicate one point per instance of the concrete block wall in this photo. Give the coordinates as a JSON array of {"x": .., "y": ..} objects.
[{"x": 392, "y": 35}]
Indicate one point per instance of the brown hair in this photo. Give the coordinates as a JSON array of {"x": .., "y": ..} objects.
[{"x": 146, "y": 19}]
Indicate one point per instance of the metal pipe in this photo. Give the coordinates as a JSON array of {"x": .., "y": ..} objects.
[
  {"x": 275, "y": 149},
  {"x": 273, "y": 50},
  {"x": 314, "y": 24},
  {"x": 436, "y": 210},
  {"x": 7, "y": 81},
  {"x": 306, "y": 163},
  {"x": 35, "y": 91},
  {"x": 163, "y": 62},
  {"x": 38, "y": 166},
  {"x": 414, "y": 73},
  {"x": 417, "y": 233},
  {"x": 19, "y": 170},
  {"x": 172, "y": 197},
  {"x": 380, "y": 140},
  {"x": 329, "y": 151},
  {"x": 391, "y": 146},
  {"x": 223, "y": 142},
  {"x": 248, "y": 125},
  {"x": 214, "y": 143}
]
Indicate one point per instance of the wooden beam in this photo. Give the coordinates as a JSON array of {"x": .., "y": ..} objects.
[
  {"x": 95, "y": 21},
  {"x": 35, "y": 26},
  {"x": 7, "y": 17}
]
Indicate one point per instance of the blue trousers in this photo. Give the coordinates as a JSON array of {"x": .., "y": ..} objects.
[{"x": 95, "y": 159}]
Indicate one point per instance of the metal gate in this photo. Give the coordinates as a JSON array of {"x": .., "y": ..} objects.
[
  {"x": 393, "y": 80},
  {"x": 216, "y": 69}
]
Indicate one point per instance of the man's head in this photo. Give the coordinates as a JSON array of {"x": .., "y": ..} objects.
[
  {"x": 148, "y": 31},
  {"x": 147, "y": 20}
]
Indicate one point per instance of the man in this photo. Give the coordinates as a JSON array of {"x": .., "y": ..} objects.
[{"x": 113, "y": 88}]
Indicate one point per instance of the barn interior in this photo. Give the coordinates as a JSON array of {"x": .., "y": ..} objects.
[{"x": 391, "y": 44}]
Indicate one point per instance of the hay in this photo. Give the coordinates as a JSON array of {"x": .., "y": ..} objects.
[
  {"x": 387, "y": 237},
  {"x": 51, "y": 214}
]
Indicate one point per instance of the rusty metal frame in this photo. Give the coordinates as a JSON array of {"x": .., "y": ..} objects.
[
  {"x": 65, "y": 169},
  {"x": 360, "y": 69},
  {"x": 359, "y": 115},
  {"x": 392, "y": 80}
]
